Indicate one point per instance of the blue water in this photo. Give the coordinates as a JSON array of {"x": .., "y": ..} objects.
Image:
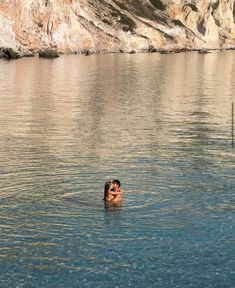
[{"x": 159, "y": 123}]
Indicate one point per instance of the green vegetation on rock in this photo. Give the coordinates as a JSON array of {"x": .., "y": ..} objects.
[
  {"x": 126, "y": 21},
  {"x": 120, "y": 5},
  {"x": 158, "y": 4}
]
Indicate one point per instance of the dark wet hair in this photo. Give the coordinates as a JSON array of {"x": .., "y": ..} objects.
[
  {"x": 117, "y": 182},
  {"x": 106, "y": 188}
]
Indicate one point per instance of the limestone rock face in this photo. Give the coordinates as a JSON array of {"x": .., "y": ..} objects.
[{"x": 114, "y": 25}]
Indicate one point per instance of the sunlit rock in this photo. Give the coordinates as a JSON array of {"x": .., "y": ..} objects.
[{"x": 113, "y": 26}]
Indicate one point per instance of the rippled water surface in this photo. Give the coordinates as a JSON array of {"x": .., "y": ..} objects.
[{"x": 159, "y": 123}]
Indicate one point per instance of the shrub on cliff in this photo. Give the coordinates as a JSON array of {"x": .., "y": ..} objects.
[{"x": 158, "y": 4}]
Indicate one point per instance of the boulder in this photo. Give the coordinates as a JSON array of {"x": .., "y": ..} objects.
[
  {"x": 49, "y": 53},
  {"x": 151, "y": 49},
  {"x": 26, "y": 53},
  {"x": 2, "y": 55},
  {"x": 87, "y": 52},
  {"x": 10, "y": 53}
]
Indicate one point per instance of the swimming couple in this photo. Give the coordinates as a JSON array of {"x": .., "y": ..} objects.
[{"x": 112, "y": 191}]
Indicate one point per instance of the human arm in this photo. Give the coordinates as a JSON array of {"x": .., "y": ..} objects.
[{"x": 115, "y": 193}]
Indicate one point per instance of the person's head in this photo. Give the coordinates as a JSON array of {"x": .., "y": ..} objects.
[
  {"x": 106, "y": 188},
  {"x": 116, "y": 184}
]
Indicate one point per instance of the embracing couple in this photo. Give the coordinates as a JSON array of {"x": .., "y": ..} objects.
[{"x": 112, "y": 191}]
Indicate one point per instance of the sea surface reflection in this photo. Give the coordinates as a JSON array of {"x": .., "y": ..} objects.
[{"x": 159, "y": 123}]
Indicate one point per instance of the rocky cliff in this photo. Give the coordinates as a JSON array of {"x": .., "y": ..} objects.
[{"x": 116, "y": 25}]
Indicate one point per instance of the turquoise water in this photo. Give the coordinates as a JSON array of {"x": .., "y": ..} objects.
[{"x": 159, "y": 123}]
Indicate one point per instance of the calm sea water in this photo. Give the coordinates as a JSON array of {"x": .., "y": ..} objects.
[{"x": 159, "y": 123}]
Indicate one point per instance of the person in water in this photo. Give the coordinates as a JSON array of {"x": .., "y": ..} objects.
[{"x": 113, "y": 191}]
